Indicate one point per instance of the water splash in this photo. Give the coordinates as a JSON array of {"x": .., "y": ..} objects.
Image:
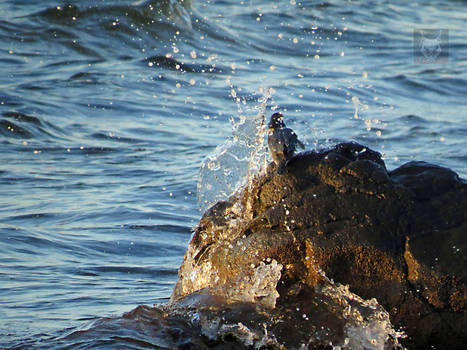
[
  {"x": 238, "y": 159},
  {"x": 368, "y": 325}
]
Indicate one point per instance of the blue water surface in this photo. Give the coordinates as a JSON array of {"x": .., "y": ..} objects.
[{"x": 107, "y": 109}]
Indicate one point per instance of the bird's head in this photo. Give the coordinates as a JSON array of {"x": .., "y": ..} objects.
[{"x": 277, "y": 121}]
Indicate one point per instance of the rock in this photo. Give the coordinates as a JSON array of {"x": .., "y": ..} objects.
[{"x": 396, "y": 236}]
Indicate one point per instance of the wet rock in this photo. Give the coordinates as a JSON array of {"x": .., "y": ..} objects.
[{"x": 395, "y": 236}]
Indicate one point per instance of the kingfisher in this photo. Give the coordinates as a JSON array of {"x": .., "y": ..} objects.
[{"x": 282, "y": 142}]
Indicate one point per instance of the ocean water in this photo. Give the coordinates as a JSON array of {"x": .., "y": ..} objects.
[{"x": 108, "y": 108}]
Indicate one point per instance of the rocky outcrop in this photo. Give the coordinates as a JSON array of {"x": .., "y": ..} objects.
[{"x": 397, "y": 236}]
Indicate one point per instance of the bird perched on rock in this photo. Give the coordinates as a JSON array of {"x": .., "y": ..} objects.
[{"x": 282, "y": 142}]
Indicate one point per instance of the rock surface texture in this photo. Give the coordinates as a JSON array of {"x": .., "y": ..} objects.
[{"x": 397, "y": 236}]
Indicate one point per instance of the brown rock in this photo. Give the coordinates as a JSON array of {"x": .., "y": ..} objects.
[{"x": 398, "y": 236}]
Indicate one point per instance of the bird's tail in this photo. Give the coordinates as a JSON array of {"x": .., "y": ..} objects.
[{"x": 300, "y": 144}]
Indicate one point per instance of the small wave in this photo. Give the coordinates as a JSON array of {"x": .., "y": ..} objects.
[
  {"x": 8, "y": 128},
  {"x": 169, "y": 11},
  {"x": 111, "y": 137},
  {"x": 161, "y": 228},
  {"x": 22, "y": 117},
  {"x": 453, "y": 86},
  {"x": 410, "y": 118},
  {"x": 85, "y": 77},
  {"x": 66, "y": 12},
  {"x": 171, "y": 63},
  {"x": 134, "y": 270},
  {"x": 437, "y": 86},
  {"x": 23, "y": 126}
]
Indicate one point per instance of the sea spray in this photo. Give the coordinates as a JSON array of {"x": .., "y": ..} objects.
[
  {"x": 239, "y": 158},
  {"x": 332, "y": 315},
  {"x": 368, "y": 325}
]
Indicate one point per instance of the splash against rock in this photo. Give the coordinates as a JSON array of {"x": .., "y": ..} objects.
[{"x": 387, "y": 235}]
